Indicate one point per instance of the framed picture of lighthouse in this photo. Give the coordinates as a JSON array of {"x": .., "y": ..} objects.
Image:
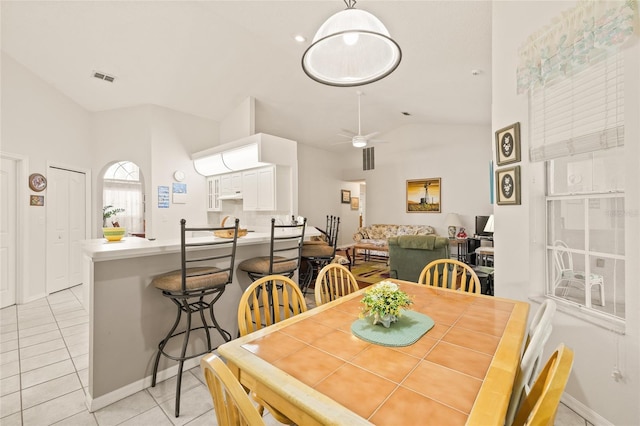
[{"x": 423, "y": 196}]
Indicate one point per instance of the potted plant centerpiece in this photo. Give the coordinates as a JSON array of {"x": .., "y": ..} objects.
[{"x": 384, "y": 303}]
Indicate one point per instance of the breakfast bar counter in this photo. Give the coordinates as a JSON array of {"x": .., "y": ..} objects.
[{"x": 129, "y": 317}]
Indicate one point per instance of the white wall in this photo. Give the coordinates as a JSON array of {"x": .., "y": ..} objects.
[
  {"x": 520, "y": 231},
  {"x": 42, "y": 125},
  {"x": 160, "y": 141},
  {"x": 319, "y": 184},
  {"x": 458, "y": 154}
]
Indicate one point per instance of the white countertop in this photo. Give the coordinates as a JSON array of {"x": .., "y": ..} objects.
[{"x": 100, "y": 249}]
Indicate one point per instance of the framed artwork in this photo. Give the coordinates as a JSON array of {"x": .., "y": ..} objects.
[
  {"x": 345, "y": 196},
  {"x": 36, "y": 200},
  {"x": 355, "y": 203},
  {"x": 423, "y": 196},
  {"x": 508, "y": 145},
  {"x": 508, "y": 186},
  {"x": 37, "y": 182}
]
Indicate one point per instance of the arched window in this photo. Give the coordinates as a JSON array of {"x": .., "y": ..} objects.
[{"x": 122, "y": 189}]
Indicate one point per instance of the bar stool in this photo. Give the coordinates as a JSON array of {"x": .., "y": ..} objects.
[
  {"x": 206, "y": 269},
  {"x": 317, "y": 254},
  {"x": 284, "y": 252}
]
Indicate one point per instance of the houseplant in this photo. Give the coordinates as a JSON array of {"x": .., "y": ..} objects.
[
  {"x": 107, "y": 212},
  {"x": 384, "y": 303}
]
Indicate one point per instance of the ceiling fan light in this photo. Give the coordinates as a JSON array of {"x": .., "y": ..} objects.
[
  {"x": 351, "y": 48},
  {"x": 359, "y": 143}
]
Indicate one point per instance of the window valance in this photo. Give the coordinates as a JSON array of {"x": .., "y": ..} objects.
[{"x": 579, "y": 37}]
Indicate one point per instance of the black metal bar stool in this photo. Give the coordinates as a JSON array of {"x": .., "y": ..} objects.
[
  {"x": 284, "y": 252},
  {"x": 206, "y": 269},
  {"x": 317, "y": 254}
]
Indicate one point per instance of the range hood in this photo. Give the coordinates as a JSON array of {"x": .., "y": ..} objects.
[
  {"x": 236, "y": 196},
  {"x": 247, "y": 153}
]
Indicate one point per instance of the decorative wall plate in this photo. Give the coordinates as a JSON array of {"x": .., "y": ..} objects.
[{"x": 37, "y": 182}]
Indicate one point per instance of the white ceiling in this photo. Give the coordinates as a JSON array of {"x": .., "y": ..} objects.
[{"x": 206, "y": 57}]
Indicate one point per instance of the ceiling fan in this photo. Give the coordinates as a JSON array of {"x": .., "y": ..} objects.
[{"x": 358, "y": 140}]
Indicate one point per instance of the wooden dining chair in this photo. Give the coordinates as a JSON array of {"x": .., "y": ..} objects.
[
  {"x": 541, "y": 323},
  {"x": 231, "y": 403},
  {"x": 334, "y": 281},
  {"x": 525, "y": 376},
  {"x": 450, "y": 273},
  {"x": 265, "y": 302},
  {"x": 541, "y": 403}
]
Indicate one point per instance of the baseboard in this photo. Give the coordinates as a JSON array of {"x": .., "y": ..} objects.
[
  {"x": 584, "y": 411},
  {"x": 94, "y": 404}
]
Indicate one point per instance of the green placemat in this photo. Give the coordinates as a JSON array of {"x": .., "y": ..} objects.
[{"x": 410, "y": 327}]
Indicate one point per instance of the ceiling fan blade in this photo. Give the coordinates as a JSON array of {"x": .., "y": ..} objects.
[
  {"x": 346, "y": 136},
  {"x": 342, "y": 143},
  {"x": 370, "y": 135},
  {"x": 348, "y": 132}
]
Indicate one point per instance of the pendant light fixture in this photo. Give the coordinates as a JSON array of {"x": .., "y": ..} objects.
[{"x": 351, "y": 48}]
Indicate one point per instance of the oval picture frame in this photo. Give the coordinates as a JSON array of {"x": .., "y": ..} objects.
[{"x": 37, "y": 182}]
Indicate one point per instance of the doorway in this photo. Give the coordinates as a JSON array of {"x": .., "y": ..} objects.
[
  {"x": 66, "y": 227},
  {"x": 8, "y": 232}
]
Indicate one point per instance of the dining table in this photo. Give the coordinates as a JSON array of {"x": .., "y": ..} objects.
[{"x": 318, "y": 370}]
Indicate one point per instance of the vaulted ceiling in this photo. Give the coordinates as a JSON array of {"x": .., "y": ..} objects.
[{"x": 205, "y": 57}]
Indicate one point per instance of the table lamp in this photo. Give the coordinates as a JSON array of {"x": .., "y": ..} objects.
[
  {"x": 452, "y": 222},
  {"x": 489, "y": 226}
]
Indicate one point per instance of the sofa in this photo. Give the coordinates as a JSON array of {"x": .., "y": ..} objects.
[
  {"x": 409, "y": 254},
  {"x": 379, "y": 234}
]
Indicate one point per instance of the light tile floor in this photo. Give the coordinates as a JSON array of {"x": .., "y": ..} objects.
[
  {"x": 44, "y": 359},
  {"x": 44, "y": 356}
]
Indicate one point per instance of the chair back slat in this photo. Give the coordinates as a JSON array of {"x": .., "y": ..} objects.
[
  {"x": 231, "y": 403},
  {"x": 267, "y": 301},
  {"x": 445, "y": 272},
  {"x": 540, "y": 405},
  {"x": 334, "y": 281}
]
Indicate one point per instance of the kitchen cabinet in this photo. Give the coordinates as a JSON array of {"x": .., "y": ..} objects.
[
  {"x": 213, "y": 190},
  {"x": 231, "y": 183},
  {"x": 267, "y": 189}
]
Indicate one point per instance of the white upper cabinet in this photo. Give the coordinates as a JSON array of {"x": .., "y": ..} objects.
[
  {"x": 213, "y": 189},
  {"x": 231, "y": 183},
  {"x": 267, "y": 189}
]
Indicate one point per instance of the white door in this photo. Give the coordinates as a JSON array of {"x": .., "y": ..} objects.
[
  {"x": 8, "y": 242},
  {"x": 65, "y": 228}
]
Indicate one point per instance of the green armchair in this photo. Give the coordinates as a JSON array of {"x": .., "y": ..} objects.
[{"x": 409, "y": 254}]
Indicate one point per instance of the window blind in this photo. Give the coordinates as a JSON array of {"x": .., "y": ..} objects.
[{"x": 580, "y": 113}]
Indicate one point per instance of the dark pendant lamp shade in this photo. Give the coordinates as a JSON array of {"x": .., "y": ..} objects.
[{"x": 351, "y": 48}]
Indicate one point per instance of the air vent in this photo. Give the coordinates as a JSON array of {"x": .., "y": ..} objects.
[
  {"x": 103, "y": 76},
  {"x": 368, "y": 159}
]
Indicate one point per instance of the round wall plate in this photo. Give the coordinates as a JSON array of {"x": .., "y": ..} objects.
[
  {"x": 37, "y": 182},
  {"x": 178, "y": 175}
]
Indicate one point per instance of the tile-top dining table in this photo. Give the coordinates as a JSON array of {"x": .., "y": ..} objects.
[{"x": 316, "y": 371}]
